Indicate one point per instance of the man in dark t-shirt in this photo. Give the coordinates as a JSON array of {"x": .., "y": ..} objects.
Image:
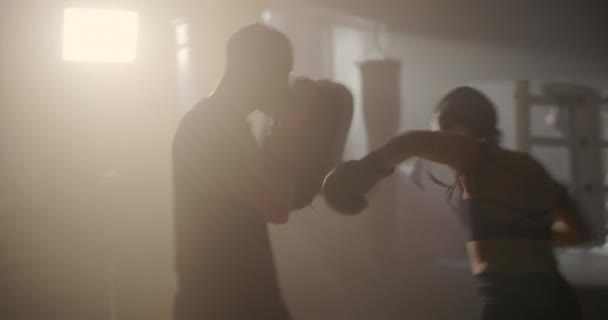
[{"x": 226, "y": 190}]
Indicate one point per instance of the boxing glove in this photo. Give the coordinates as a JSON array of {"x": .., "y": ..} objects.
[
  {"x": 345, "y": 187},
  {"x": 310, "y": 134}
]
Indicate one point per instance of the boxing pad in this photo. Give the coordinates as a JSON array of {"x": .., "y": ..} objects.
[
  {"x": 310, "y": 134},
  {"x": 345, "y": 187}
]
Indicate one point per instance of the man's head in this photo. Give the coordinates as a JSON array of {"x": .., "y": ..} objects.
[{"x": 259, "y": 58}]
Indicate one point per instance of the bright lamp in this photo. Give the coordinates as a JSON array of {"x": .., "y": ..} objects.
[{"x": 96, "y": 35}]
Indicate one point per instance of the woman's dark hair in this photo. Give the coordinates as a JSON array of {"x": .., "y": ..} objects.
[{"x": 468, "y": 107}]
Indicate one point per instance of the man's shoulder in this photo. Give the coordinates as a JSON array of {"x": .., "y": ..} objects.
[
  {"x": 203, "y": 117},
  {"x": 202, "y": 113},
  {"x": 195, "y": 129}
]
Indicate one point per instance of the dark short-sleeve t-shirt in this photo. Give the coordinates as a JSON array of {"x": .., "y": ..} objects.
[{"x": 224, "y": 261}]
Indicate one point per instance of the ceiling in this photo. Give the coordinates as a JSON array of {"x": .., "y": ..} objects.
[{"x": 566, "y": 25}]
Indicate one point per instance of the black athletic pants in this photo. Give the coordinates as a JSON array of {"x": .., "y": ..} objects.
[{"x": 529, "y": 296}]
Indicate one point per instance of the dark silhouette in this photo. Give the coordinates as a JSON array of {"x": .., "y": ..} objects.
[
  {"x": 224, "y": 193},
  {"x": 514, "y": 211},
  {"x": 231, "y": 179}
]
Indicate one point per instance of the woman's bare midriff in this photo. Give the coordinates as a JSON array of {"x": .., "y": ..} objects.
[{"x": 511, "y": 255}]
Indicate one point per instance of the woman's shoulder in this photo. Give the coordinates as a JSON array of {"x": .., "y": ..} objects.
[
  {"x": 528, "y": 173},
  {"x": 529, "y": 165},
  {"x": 519, "y": 159}
]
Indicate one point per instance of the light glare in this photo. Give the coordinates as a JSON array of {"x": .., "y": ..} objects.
[
  {"x": 267, "y": 16},
  {"x": 182, "y": 35},
  {"x": 94, "y": 35}
]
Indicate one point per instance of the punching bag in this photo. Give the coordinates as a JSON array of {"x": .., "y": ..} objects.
[{"x": 381, "y": 105}]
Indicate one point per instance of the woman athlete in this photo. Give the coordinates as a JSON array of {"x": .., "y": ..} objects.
[{"x": 514, "y": 211}]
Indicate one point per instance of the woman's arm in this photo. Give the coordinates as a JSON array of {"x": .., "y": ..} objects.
[
  {"x": 568, "y": 226},
  {"x": 345, "y": 187},
  {"x": 456, "y": 151}
]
